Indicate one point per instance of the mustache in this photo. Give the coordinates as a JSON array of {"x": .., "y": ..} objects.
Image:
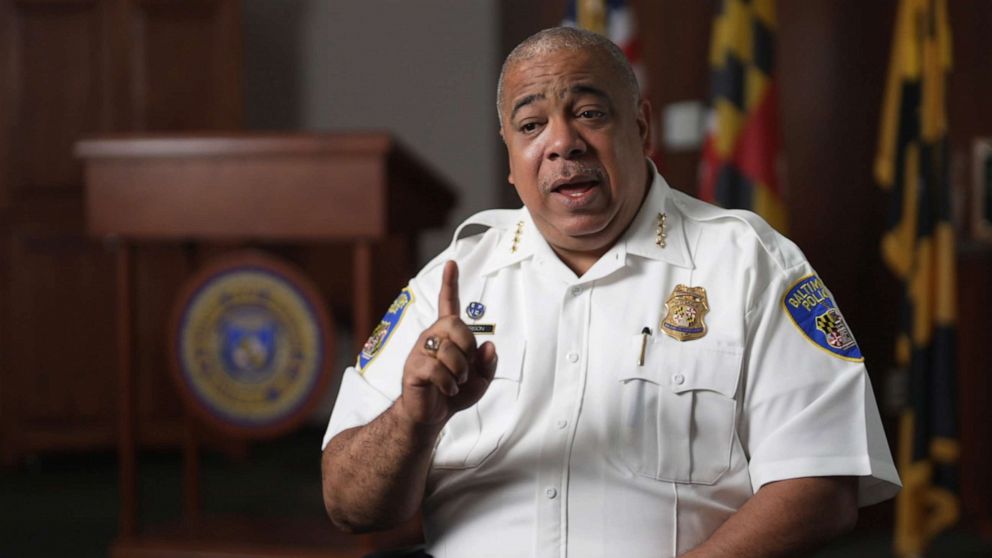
[{"x": 570, "y": 171}]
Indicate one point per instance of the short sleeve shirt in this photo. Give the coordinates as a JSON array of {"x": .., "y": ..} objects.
[{"x": 637, "y": 407}]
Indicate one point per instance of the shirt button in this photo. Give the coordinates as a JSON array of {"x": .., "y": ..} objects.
[
  {"x": 551, "y": 493},
  {"x": 678, "y": 379},
  {"x": 561, "y": 423},
  {"x": 572, "y": 357},
  {"x": 576, "y": 291}
]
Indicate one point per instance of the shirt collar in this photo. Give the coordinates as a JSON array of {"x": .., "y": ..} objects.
[
  {"x": 518, "y": 242},
  {"x": 641, "y": 238},
  {"x": 523, "y": 240}
]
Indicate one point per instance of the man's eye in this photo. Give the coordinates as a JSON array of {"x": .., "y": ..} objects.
[
  {"x": 592, "y": 114},
  {"x": 528, "y": 127}
]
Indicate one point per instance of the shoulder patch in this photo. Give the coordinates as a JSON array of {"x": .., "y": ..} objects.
[
  {"x": 813, "y": 310},
  {"x": 382, "y": 332}
]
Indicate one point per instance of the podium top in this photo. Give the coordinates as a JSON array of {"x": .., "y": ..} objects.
[
  {"x": 128, "y": 146},
  {"x": 309, "y": 186}
]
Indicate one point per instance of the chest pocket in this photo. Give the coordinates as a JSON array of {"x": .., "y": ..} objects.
[
  {"x": 678, "y": 410},
  {"x": 475, "y": 433}
]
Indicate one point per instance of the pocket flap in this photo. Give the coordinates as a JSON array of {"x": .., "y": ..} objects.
[
  {"x": 706, "y": 367},
  {"x": 685, "y": 366}
]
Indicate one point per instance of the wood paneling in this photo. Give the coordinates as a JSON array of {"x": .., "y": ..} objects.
[
  {"x": 159, "y": 271},
  {"x": 57, "y": 55},
  {"x": 186, "y": 64},
  {"x": 968, "y": 89},
  {"x": 56, "y": 272},
  {"x": 8, "y": 92},
  {"x": 975, "y": 388},
  {"x": 54, "y": 331},
  {"x": 970, "y": 116},
  {"x": 57, "y": 338},
  {"x": 72, "y": 68},
  {"x": 675, "y": 36}
]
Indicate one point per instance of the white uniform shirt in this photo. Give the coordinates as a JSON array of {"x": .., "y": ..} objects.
[{"x": 576, "y": 450}]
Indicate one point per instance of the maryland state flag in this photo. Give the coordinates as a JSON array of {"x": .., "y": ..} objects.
[
  {"x": 918, "y": 246},
  {"x": 613, "y": 19},
  {"x": 740, "y": 153}
]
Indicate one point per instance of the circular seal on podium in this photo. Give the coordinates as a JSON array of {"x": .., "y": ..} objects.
[{"x": 250, "y": 345}]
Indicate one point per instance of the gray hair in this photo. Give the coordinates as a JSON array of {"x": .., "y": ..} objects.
[{"x": 556, "y": 39}]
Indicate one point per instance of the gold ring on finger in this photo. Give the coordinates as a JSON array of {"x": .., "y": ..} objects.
[{"x": 432, "y": 344}]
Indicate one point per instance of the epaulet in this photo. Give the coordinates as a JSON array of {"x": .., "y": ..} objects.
[
  {"x": 780, "y": 249},
  {"x": 485, "y": 220},
  {"x": 475, "y": 226}
]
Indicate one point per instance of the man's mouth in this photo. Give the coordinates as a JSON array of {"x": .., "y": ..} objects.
[{"x": 577, "y": 190}]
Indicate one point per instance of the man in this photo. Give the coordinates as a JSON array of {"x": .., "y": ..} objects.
[{"x": 672, "y": 378}]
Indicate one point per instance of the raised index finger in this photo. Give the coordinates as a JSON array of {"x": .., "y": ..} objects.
[{"x": 447, "y": 299}]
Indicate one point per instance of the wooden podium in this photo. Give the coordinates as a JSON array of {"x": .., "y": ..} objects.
[{"x": 360, "y": 189}]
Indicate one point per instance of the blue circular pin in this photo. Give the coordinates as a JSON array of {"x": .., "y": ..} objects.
[{"x": 475, "y": 310}]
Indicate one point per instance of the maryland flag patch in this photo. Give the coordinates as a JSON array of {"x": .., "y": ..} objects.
[{"x": 813, "y": 310}]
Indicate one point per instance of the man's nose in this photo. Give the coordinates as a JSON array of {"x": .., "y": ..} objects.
[{"x": 565, "y": 141}]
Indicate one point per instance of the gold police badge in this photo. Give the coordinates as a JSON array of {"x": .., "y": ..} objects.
[{"x": 684, "y": 311}]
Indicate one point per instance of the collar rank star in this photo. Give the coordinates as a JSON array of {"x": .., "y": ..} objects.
[
  {"x": 475, "y": 311},
  {"x": 516, "y": 237},
  {"x": 684, "y": 311}
]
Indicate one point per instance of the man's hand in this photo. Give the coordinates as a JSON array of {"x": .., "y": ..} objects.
[
  {"x": 438, "y": 384},
  {"x": 374, "y": 475}
]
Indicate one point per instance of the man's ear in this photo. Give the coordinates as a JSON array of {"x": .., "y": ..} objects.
[
  {"x": 509, "y": 161},
  {"x": 644, "y": 125}
]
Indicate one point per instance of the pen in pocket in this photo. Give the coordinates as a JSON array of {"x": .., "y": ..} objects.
[{"x": 644, "y": 345}]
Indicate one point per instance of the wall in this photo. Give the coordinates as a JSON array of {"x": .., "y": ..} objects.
[
  {"x": 272, "y": 61},
  {"x": 425, "y": 70}
]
